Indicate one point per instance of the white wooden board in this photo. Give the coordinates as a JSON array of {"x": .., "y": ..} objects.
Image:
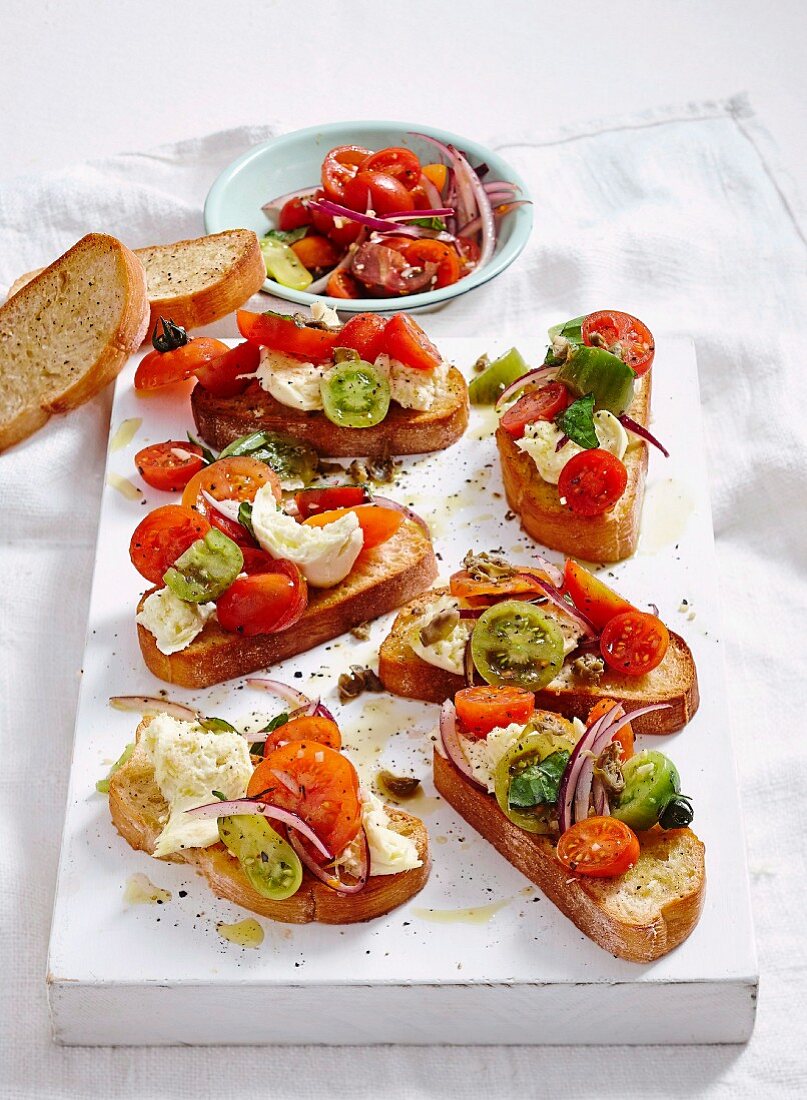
[{"x": 519, "y": 972}]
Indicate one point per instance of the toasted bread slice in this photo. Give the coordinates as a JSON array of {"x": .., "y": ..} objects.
[
  {"x": 139, "y": 811},
  {"x": 67, "y": 334},
  {"x": 220, "y": 420},
  {"x": 196, "y": 282},
  {"x": 382, "y": 579},
  {"x": 639, "y": 916},
  {"x": 606, "y": 538},
  {"x": 675, "y": 681}
]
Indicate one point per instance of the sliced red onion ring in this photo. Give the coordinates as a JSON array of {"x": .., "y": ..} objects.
[
  {"x": 328, "y": 875},
  {"x": 527, "y": 381},
  {"x": 568, "y": 784},
  {"x": 280, "y": 691},
  {"x": 569, "y": 610},
  {"x": 256, "y": 808},
  {"x": 451, "y": 742},
  {"x": 288, "y": 781},
  {"x": 321, "y": 711},
  {"x": 153, "y": 704},
  {"x": 281, "y": 200},
  {"x": 601, "y": 807},
  {"x": 432, "y": 194},
  {"x": 227, "y": 508},
  {"x": 385, "y": 502},
  {"x": 554, "y": 572},
  {"x": 643, "y": 433},
  {"x": 585, "y": 779},
  {"x": 413, "y": 215},
  {"x": 564, "y": 439},
  {"x": 485, "y": 212},
  {"x": 500, "y": 185},
  {"x": 335, "y": 209}
]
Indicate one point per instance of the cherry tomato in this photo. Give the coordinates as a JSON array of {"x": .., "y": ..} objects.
[
  {"x": 256, "y": 560},
  {"x": 344, "y": 234},
  {"x": 601, "y": 847},
  {"x": 406, "y": 341},
  {"x": 169, "y": 466},
  {"x": 629, "y": 337},
  {"x": 328, "y": 798},
  {"x": 420, "y": 198},
  {"x": 465, "y": 587},
  {"x": 224, "y": 375},
  {"x": 316, "y": 251},
  {"x": 310, "y": 502},
  {"x": 401, "y": 163},
  {"x": 625, "y": 736},
  {"x": 482, "y": 709},
  {"x": 634, "y": 642},
  {"x": 444, "y": 255},
  {"x": 382, "y": 193},
  {"x": 236, "y": 478},
  {"x": 231, "y": 528},
  {"x": 364, "y": 332},
  {"x": 281, "y": 333},
  {"x": 294, "y": 214},
  {"x": 339, "y": 167},
  {"x": 378, "y": 524},
  {"x": 596, "y": 600},
  {"x": 305, "y": 728},
  {"x": 162, "y": 537},
  {"x": 265, "y": 602},
  {"x": 343, "y": 285},
  {"x": 545, "y": 403},
  {"x": 469, "y": 253},
  {"x": 437, "y": 174},
  {"x": 592, "y": 481},
  {"x": 164, "y": 368}
]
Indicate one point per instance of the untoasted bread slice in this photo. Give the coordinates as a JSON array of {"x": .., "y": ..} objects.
[
  {"x": 67, "y": 334},
  {"x": 220, "y": 420},
  {"x": 639, "y": 916},
  {"x": 139, "y": 811},
  {"x": 606, "y": 538},
  {"x": 196, "y": 282},
  {"x": 675, "y": 681},
  {"x": 382, "y": 579}
]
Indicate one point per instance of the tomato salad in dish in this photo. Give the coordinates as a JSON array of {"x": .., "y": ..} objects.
[{"x": 382, "y": 224}]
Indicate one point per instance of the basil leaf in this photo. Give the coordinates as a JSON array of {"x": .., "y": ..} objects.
[
  {"x": 429, "y": 223},
  {"x": 207, "y": 455},
  {"x": 289, "y": 457},
  {"x": 259, "y": 748},
  {"x": 245, "y": 515},
  {"x": 539, "y": 784},
  {"x": 216, "y": 725},
  {"x": 221, "y": 797},
  {"x": 288, "y": 236},
  {"x": 571, "y": 331},
  {"x": 578, "y": 422}
]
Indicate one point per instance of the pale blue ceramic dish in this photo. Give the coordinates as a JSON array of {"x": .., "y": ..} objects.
[{"x": 292, "y": 161}]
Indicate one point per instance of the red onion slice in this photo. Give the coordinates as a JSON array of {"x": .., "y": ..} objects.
[
  {"x": 554, "y": 572},
  {"x": 568, "y": 784},
  {"x": 280, "y": 691},
  {"x": 255, "y": 808},
  {"x": 432, "y": 194},
  {"x": 413, "y": 215},
  {"x": 451, "y": 742},
  {"x": 328, "y": 874},
  {"x": 556, "y": 597},
  {"x": 527, "y": 381},
  {"x": 643, "y": 433},
  {"x": 288, "y": 781},
  {"x": 227, "y": 508},
  {"x": 585, "y": 777},
  {"x": 336, "y": 210},
  {"x": 385, "y": 502},
  {"x": 485, "y": 210},
  {"x": 276, "y": 204},
  {"x": 601, "y": 807},
  {"x": 153, "y": 704}
]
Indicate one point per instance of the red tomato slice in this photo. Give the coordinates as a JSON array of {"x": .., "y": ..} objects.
[
  {"x": 265, "y": 602},
  {"x": 274, "y": 330},
  {"x": 169, "y": 466},
  {"x": 224, "y": 375},
  {"x": 310, "y": 502},
  {"x": 231, "y": 528},
  {"x": 634, "y": 642},
  {"x": 237, "y": 478},
  {"x": 257, "y": 560},
  {"x": 406, "y": 341},
  {"x": 449, "y": 266},
  {"x": 294, "y": 214},
  {"x": 625, "y": 735},
  {"x": 482, "y": 709},
  {"x": 378, "y": 524},
  {"x": 343, "y": 234},
  {"x": 601, "y": 847},
  {"x": 545, "y": 403},
  {"x": 469, "y": 253},
  {"x": 396, "y": 161},
  {"x": 315, "y": 251},
  {"x": 162, "y": 537},
  {"x": 164, "y": 368},
  {"x": 592, "y": 482},
  {"x": 629, "y": 337},
  {"x": 328, "y": 799},
  {"x": 465, "y": 587},
  {"x": 342, "y": 285},
  {"x": 339, "y": 167},
  {"x": 382, "y": 193},
  {"x": 305, "y": 728},
  {"x": 365, "y": 334},
  {"x": 596, "y": 600}
]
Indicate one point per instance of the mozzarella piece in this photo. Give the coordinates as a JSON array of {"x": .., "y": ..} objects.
[
  {"x": 413, "y": 389},
  {"x": 484, "y": 754},
  {"x": 325, "y": 315},
  {"x": 291, "y": 381},
  {"x": 447, "y": 653},
  {"x": 324, "y": 554},
  {"x": 173, "y": 622},
  {"x": 390, "y": 852},
  {"x": 541, "y": 438}
]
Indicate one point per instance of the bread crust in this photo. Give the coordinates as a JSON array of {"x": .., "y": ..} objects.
[
  {"x": 220, "y": 420},
  {"x": 675, "y": 681},
  {"x": 585, "y": 901}
]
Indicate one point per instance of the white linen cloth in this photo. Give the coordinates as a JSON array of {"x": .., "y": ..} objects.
[{"x": 680, "y": 217}]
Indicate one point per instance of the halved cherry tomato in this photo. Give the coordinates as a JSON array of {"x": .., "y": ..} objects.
[
  {"x": 482, "y": 709},
  {"x": 257, "y": 560},
  {"x": 223, "y": 376},
  {"x": 592, "y": 482},
  {"x": 328, "y": 798},
  {"x": 310, "y": 502},
  {"x": 344, "y": 234},
  {"x": 396, "y": 161},
  {"x": 444, "y": 255},
  {"x": 343, "y": 285},
  {"x": 274, "y": 330},
  {"x": 294, "y": 214},
  {"x": 378, "y": 524},
  {"x": 634, "y": 642},
  {"x": 365, "y": 334},
  {"x": 316, "y": 251},
  {"x": 591, "y": 596},
  {"x": 465, "y": 587},
  {"x": 313, "y": 727},
  {"x": 545, "y": 403},
  {"x": 382, "y": 193},
  {"x": 469, "y": 251},
  {"x": 235, "y": 478},
  {"x": 339, "y": 167},
  {"x": 265, "y": 602},
  {"x": 629, "y": 337},
  {"x": 169, "y": 466},
  {"x": 420, "y": 198},
  {"x": 162, "y": 537},
  {"x": 406, "y": 341},
  {"x": 231, "y": 528},
  {"x": 625, "y": 736},
  {"x": 437, "y": 173},
  {"x": 600, "y": 847},
  {"x": 164, "y": 368}
]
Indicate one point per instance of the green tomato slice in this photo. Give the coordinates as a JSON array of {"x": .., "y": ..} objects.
[
  {"x": 290, "y": 458},
  {"x": 355, "y": 395},
  {"x": 270, "y": 864},
  {"x": 283, "y": 265},
  {"x": 515, "y": 644},
  {"x": 651, "y": 780},
  {"x": 536, "y": 761},
  {"x": 206, "y": 569},
  {"x": 594, "y": 370},
  {"x": 488, "y": 386}
]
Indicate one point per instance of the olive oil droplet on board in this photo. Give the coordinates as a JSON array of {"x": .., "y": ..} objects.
[
  {"x": 140, "y": 890},
  {"x": 246, "y": 933}
]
